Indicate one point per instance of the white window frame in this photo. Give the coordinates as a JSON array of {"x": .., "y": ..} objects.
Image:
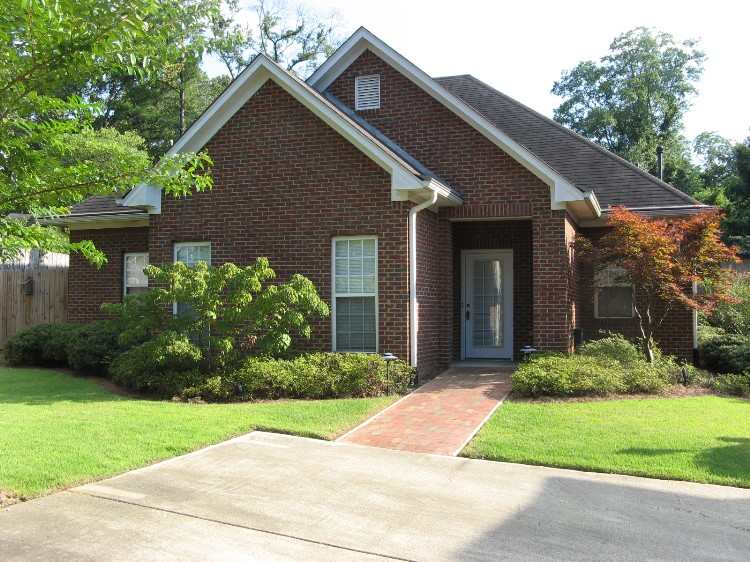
[
  {"x": 125, "y": 285},
  {"x": 335, "y": 296},
  {"x": 370, "y": 81},
  {"x": 177, "y": 246},
  {"x": 612, "y": 272}
]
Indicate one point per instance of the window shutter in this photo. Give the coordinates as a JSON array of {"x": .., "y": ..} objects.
[{"x": 367, "y": 92}]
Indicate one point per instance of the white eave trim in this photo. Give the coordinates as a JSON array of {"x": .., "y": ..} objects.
[
  {"x": 95, "y": 221},
  {"x": 562, "y": 191},
  {"x": 239, "y": 92}
]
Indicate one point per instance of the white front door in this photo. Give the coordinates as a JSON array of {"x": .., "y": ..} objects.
[{"x": 487, "y": 304}]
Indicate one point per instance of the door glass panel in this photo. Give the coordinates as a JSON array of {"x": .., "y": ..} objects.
[{"x": 488, "y": 313}]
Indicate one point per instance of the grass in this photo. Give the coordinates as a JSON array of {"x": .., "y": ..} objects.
[
  {"x": 699, "y": 439},
  {"x": 57, "y": 431}
]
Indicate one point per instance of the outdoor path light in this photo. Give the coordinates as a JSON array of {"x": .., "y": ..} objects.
[
  {"x": 388, "y": 357},
  {"x": 527, "y": 350}
]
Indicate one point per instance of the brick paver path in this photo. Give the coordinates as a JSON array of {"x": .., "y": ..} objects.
[{"x": 439, "y": 417}]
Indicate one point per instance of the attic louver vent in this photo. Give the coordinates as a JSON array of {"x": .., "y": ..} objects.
[{"x": 367, "y": 92}]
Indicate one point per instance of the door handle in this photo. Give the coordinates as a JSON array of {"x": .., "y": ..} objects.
[{"x": 468, "y": 313}]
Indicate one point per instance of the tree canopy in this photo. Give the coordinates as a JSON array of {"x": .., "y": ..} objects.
[
  {"x": 634, "y": 99},
  {"x": 44, "y": 45}
]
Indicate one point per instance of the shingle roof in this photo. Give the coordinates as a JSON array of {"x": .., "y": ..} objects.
[
  {"x": 584, "y": 163},
  {"x": 101, "y": 205}
]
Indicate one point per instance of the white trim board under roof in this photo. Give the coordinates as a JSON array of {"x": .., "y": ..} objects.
[
  {"x": 406, "y": 181},
  {"x": 563, "y": 193}
]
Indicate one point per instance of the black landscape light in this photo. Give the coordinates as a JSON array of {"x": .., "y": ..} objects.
[
  {"x": 388, "y": 357},
  {"x": 527, "y": 350}
]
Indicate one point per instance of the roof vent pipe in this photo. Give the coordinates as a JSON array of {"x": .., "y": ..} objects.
[{"x": 659, "y": 151}]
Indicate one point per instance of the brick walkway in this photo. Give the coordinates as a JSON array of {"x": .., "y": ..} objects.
[{"x": 441, "y": 416}]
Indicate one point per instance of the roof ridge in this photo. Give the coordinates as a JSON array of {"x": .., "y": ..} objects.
[{"x": 656, "y": 181}]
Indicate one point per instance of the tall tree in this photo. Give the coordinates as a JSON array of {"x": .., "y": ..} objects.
[
  {"x": 634, "y": 99},
  {"x": 43, "y": 44},
  {"x": 295, "y": 37},
  {"x": 737, "y": 223}
]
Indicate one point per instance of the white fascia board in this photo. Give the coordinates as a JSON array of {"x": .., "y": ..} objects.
[
  {"x": 242, "y": 89},
  {"x": 96, "y": 222},
  {"x": 562, "y": 191},
  {"x": 144, "y": 196}
]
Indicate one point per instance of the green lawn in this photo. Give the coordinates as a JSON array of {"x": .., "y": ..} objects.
[
  {"x": 700, "y": 439},
  {"x": 57, "y": 431}
]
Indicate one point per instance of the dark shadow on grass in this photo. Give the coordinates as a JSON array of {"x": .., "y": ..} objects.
[
  {"x": 41, "y": 387},
  {"x": 731, "y": 461}
]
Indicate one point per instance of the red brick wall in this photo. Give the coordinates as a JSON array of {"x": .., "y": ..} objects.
[
  {"x": 285, "y": 185},
  {"x": 434, "y": 243},
  {"x": 89, "y": 287},
  {"x": 492, "y": 184}
]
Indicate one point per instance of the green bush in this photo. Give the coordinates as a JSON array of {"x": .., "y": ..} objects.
[
  {"x": 309, "y": 376},
  {"x": 613, "y": 346},
  {"x": 41, "y": 344},
  {"x": 561, "y": 375},
  {"x": 611, "y": 365},
  {"x": 648, "y": 378},
  {"x": 736, "y": 385},
  {"x": 727, "y": 353},
  {"x": 734, "y": 316},
  {"x": 93, "y": 347},
  {"x": 166, "y": 366}
]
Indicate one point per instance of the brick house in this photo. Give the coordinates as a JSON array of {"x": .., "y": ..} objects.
[{"x": 434, "y": 215}]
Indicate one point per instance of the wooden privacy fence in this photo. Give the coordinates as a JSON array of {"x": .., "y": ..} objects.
[{"x": 31, "y": 296}]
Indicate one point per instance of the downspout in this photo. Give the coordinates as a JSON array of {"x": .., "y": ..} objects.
[
  {"x": 696, "y": 355},
  {"x": 413, "y": 312}
]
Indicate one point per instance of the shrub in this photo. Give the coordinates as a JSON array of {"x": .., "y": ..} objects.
[
  {"x": 736, "y": 385},
  {"x": 648, "y": 378},
  {"x": 93, "y": 347},
  {"x": 310, "y": 376},
  {"x": 733, "y": 315},
  {"x": 561, "y": 375},
  {"x": 40, "y": 344},
  {"x": 611, "y": 365},
  {"x": 728, "y": 353},
  {"x": 613, "y": 346},
  {"x": 166, "y": 366},
  {"x": 230, "y": 311}
]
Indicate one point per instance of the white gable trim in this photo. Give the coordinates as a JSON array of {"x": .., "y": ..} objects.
[
  {"x": 244, "y": 87},
  {"x": 562, "y": 191}
]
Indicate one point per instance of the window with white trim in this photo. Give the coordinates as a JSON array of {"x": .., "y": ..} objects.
[
  {"x": 355, "y": 290},
  {"x": 190, "y": 253},
  {"x": 614, "y": 294},
  {"x": 135, "y": 281},
  {"x": 367, "y": 92}
]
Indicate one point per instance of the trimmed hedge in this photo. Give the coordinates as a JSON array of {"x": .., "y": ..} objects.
[
  {"x": 82, "y": 347},
  {"x": 727, "y": 353},
  {"x": 309, "y": 376},
  {"x": 611, "y": 365},
  {"x": 93, "y": 347},
  {"x": 41, "y": 344},
  {"x": 165, "y": 366}
]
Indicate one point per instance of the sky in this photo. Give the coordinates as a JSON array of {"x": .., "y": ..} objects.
[{"x": 521, "y": 48}]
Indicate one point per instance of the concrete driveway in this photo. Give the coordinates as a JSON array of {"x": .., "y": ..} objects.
[{"x": 273, "y": 497}]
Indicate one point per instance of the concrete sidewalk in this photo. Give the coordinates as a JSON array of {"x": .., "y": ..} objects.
[
  {"x": 274, "y": 497},
  {"x": 439, "y": 417}
]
